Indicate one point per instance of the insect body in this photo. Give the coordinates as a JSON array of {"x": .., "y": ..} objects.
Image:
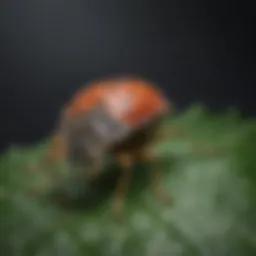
[{"x": 117, "y": 116}]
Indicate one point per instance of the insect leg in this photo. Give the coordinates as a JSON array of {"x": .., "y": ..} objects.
[
  {"x": 125, "y": 161},
  {"x": 175, "y": 131},
  {"x": 148, "y": 156},
  {"x": 96, "y": 166}
]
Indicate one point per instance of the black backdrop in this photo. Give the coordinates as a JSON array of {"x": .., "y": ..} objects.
[{"x": 197, "y": 52}]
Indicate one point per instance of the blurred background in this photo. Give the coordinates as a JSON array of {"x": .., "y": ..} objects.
[{"x": 197, "y": 51}]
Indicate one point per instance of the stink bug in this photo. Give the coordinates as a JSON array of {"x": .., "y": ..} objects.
[{"x": 117, "y": 116}]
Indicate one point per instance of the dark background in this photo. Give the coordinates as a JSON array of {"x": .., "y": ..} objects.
[{"x": 197, "y": 52}]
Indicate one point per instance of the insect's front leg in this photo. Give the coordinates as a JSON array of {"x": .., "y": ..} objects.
[
  {"x": 97, "y": 165},
  {"x": 147, "y": 155},
  {"x": 125, "y": 161}
]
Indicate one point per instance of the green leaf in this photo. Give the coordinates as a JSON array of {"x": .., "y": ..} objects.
[{"x": 48, "y": 211}]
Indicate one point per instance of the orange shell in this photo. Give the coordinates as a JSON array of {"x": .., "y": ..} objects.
[{"x": 130, "y": 100}]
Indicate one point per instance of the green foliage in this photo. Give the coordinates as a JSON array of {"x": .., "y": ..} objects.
[{"x": 213, "y": 211}]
